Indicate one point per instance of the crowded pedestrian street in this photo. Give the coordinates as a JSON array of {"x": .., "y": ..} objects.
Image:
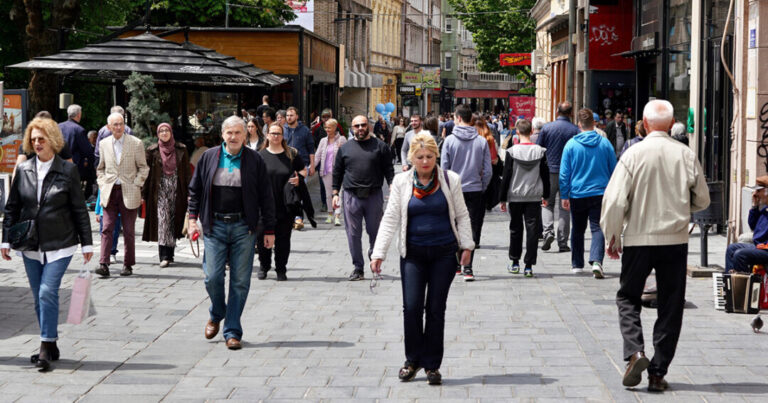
[{"x": 319, "y": 337}]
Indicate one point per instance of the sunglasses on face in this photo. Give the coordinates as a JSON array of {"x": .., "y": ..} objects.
[{"x": 360, "y": 125}]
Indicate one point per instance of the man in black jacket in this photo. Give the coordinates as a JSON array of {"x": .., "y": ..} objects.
[
  {"x": 361, "y": 166},
  {"x": 227, "y": 179},
  {"x": 617, "y": 133}
]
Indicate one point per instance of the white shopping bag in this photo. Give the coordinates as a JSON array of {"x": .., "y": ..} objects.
[{"x": 81, "y": 297}]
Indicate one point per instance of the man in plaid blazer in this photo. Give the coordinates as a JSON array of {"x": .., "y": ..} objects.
[{"x": 120, "y": 174}]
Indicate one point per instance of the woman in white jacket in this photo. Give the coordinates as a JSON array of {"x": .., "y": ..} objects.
[{"x": 427, "y": 205}]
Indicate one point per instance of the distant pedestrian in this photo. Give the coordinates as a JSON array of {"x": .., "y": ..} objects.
[
  {"x": 538, "y": 124},
  {"x": 381, "y": 130},
  {"x": 261, "y": 109},
  {"x": 231, "y": 195},
  {"x": 298, "y": 136},
  {"x": 640, "y": 134},
  {"x": 398, "y": 136},
  {"x": 525, "y": 186},
  {"x": 280, "y": 117},
  {"x": 678, "y": 133},
  {"x": 361, "y": 167},
  {"x": 467, "y": 153},
  {"x": 553, "y": 137},
  {"x": 426, "y": 210},
  {"x": 255, "y": 138},
  {"x": 656, "y": 186},
  {"x": 617, "y": 132},
  {"x": 121, "y": 173},
  {"x": 491, "y": 194},
  {"x": 46, "y": 194},
  {"x": 326, "y": 154},
  {"x": 585, "y": 169},
  {"x": 600, "y": 131},
  {"x": 740, "y": 257},
  {"x": 268, "y": 116},
  {"x": 165, "y": 193},
  {"x": 105, "y": 132},
  {"x": 417, "y": 126},
  {"x": 77, "y": 140}
]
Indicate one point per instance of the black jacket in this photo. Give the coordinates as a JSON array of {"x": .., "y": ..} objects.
[
  {"x": 61, "y": 216},
  {"x": 258, "y": 202}
]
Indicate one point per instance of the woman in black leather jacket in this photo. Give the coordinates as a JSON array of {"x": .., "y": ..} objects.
[{"x": 46, "y": 189}]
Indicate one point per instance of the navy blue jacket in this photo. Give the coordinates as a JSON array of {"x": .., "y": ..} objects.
[
  {"x": 81, "y": 149},
  {"x": 553, "y": 137},
  {"x": 301, "y": 139},
  {"x": 257, "y": 191}
]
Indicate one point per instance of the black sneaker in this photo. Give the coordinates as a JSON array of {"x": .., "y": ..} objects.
[
  {"x": 564, "y": 248},
  {"x": 434, "y": 377},
  {"x": 468, "y": 275},
  {"x": 356, "y": 276},
  {"x": 261, "y": 275},
  {"x": 103, "y": 270},
  {"x": 281, "y": 276},
  {"x": 548, "y": 239}
]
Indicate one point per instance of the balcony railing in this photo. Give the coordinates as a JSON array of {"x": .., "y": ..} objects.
[{"x": 496, "y": 77}]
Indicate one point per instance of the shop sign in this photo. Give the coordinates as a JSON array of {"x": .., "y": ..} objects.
[
  {"x": 515, "y": 59},
  {"x": 610, "y": 33},
  {"x": 430, "y": 77},
  {"x": 407, "y": 90},
  {"x": 410, "y": 78},
  {"x": 13, "y": 124},
  {"x": 522, "y": 106},
  {"x": 418, "y": 91}
]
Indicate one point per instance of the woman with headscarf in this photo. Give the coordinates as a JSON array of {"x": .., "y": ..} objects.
[{"x": 165, "y": 192}]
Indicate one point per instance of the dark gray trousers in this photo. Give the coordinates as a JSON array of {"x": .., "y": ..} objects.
[{"x": 356, "y": 209}]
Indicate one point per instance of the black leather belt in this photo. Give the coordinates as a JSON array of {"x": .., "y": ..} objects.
[{"x": 228, "y": 218}]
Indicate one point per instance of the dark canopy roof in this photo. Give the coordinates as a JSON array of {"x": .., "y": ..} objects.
[{"x": 167, "y": 61}]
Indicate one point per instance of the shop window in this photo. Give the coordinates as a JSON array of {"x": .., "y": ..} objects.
[{"x": 207, "y": 110}]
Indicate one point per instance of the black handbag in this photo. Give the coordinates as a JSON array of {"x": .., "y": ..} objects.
[{"x": 23, "y": 236}]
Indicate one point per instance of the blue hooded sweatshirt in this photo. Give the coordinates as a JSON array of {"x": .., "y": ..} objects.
[
  {"x": 587, "y": 164},
  {"x": 467, "y": 154}
]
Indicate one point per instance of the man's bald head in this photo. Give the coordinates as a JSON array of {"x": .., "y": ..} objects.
[
  {"x": 565, "y": 108},
  {"x": 658, "y": 115},
  {"x": 360, "y": 127}
]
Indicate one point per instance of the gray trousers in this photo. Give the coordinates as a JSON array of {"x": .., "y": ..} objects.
[
  {"x": 355, "y": 209},
  {"x": 548, "y": 213}
]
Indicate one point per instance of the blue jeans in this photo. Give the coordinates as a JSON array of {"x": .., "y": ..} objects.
[
  {"x": 583, "y": 210},
  {"x": 233, "y": 243},
  {"x": 426, "y": 270},
  {"x": 115, "y": 235},
  {"x": 740, "y": 257},
  {"x": 45, "y": 280}
]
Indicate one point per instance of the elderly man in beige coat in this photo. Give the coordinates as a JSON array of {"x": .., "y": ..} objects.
[
  {"x": 655, "y": 187},
  {"x": 120, "y": 174}
]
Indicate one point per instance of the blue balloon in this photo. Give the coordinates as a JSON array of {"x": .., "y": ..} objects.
[
  {"x": 380, "y": 108},
  {"x": 390, "y": 107}
]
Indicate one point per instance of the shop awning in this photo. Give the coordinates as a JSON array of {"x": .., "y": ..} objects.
[{"x": 166, "y": 61}]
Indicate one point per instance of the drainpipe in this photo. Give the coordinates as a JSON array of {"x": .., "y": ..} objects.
[
  {"x": 571, "y": 51},
  {"x": 587, "y": 71}
]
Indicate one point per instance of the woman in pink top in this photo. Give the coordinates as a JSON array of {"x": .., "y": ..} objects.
[{"x": 326, "y": 155}]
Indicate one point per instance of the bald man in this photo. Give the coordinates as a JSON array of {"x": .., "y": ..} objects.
[
  {"x": 361, "y": 167},
  {"x": 655, "y": 187}
]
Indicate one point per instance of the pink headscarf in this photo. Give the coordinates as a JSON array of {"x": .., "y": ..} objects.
[{"x": 167, "y": 151}]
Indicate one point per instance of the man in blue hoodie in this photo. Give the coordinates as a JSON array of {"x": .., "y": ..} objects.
[
  {"x": 299, "y": 137},
  {"x": 467, "y": 154},
  {"x": 587, "y": 164}
]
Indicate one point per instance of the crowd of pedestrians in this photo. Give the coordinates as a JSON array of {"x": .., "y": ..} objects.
[{"x": 246, "y": 195}]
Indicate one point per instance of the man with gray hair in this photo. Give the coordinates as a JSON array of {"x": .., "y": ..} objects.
[
  {"x": 655, "y": 187},
  {"x": 75, "y": 137},
  {"x": 104, "y": 132}
]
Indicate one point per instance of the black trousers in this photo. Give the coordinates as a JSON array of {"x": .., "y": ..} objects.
[
  {"x": 166, "y": 252},
  {"x": 283, "y": 228},
  {"x": 530, "y": 213},
  {"x": 476, "y": 208},
  {"x": 670, "y": 264}
]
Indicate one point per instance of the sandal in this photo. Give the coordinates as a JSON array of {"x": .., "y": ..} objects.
[
  {"x": 408, "y": 371},
  {"x": 434, "y": 377}
]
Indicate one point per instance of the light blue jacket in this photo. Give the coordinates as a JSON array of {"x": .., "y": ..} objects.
[{"x": 587, "y": 164}]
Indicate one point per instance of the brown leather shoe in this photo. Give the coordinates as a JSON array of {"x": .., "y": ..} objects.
[
  {"x": 211, "y": 329},
  {"x": 234, "y": 344},
  {"x": 638, "y": 363},
  {"x": 657, "y": 383}
]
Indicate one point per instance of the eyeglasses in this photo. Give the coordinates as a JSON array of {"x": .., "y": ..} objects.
[
  {"x": 375, "y": 281},
  {"x": 275, "y": 134},
  {"x": 360, "y": 125}
]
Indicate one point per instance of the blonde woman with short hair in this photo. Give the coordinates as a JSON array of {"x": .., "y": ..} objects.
[
  {"x": 326, "y": 156},
  {"x": 426, "y": 209}
]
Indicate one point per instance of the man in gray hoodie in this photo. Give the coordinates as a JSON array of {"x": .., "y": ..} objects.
[{"x": 467, "y": 154}]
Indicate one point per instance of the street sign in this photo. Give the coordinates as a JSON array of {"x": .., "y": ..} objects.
[
  {"x": 418, "y": 91},
  {"x": 407, "y": 90}
]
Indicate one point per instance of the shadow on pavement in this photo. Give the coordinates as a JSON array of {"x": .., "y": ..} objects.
[
  {"x": 302, "y": 344},
  {"x": 86, "y": 365},
  {"x": 509, "y": 379},
  {"x": 18, "y": 311},
  {"x": 739, "y": 387},
  {"x": 6, "y": 271}
]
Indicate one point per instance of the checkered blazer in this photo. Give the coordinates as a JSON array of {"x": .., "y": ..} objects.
[{"x": 132, "y": 170}]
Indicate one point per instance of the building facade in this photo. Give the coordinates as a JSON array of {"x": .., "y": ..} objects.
[{"x": 386, "y": 50}]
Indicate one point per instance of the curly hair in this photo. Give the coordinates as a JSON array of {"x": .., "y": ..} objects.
[{"x": 50, "y": 131}]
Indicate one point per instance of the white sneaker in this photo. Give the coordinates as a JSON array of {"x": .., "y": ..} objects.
[
  {"x": 577, "y": 270},
  {"x": 112, "y": 258},
  {"x": 597, "y": 270}
]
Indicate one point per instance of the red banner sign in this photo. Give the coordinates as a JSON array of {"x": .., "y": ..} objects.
[
  {"x": 515, "y": 59},
  {"x": 610, "y": 32},
  {"x": 522, "y": 106}
]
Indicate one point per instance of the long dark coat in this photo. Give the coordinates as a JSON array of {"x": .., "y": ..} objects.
[{"x": 152, "y": 186}]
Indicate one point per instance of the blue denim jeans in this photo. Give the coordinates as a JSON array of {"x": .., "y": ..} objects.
[
  {"x": 426, "y": 270},
  {"x": 45, "y": 280},
  {"x": 740, "y": 257},
  {"x": 583, "y": 210},
  {"x": 233, "y": 243},
  {"x": 115, "y": 235}
]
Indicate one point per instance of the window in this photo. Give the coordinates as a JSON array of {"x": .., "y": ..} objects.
[
  {"x": 448, "y": 61},
  {"x": 448, "y": 25}
]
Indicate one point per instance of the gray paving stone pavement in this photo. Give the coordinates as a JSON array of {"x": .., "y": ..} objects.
[{"x": 319, "y": 337}]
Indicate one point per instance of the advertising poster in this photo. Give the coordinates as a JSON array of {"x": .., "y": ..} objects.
[
  {"x": 430, "y": 77},
  {"x": 14, "y": 122},
  {"x": 522, "y": 106},
  {"x": 515, "y": 59},
  {"x": 610, "y": 33},
  {"x": 305, "y": 13}
]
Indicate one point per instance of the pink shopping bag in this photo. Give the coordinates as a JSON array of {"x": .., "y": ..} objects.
[{"x": 81, "y": 297}]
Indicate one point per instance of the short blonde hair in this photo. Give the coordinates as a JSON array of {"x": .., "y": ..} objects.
[
  {"x": 422, "y": 141},
  {"x": 50, "y": 130},
  {"x": 333, "y": 122}
]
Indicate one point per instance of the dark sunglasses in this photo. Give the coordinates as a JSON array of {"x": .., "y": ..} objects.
[{"x": 360, "y": 125}]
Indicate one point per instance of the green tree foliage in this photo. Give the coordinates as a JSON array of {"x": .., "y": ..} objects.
[
  {"x": 495, "y": 33},
  {"x": 144, "y": 106},
  {"x": 207, "y": 13}
]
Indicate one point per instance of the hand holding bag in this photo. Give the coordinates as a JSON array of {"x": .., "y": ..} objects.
[{"x": 80, "y": 302}]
